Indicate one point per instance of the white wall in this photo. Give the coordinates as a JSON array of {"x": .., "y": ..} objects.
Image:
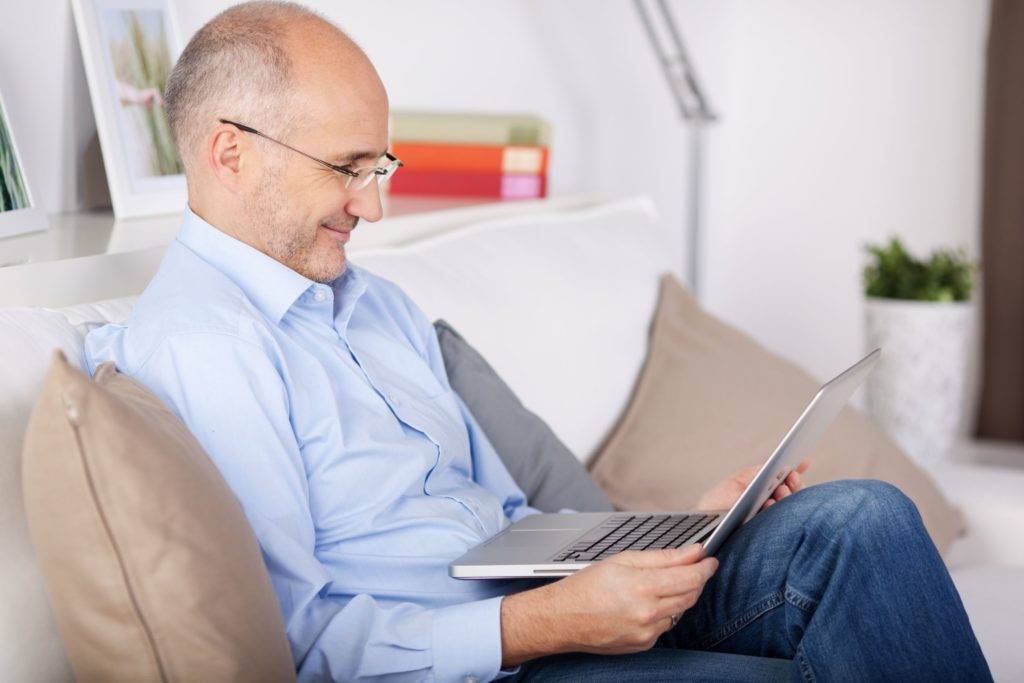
[
  {"x": 842, "y": 121},
  {"x": 608, "y": 108}
]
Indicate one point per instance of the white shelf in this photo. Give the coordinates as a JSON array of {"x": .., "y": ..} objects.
[
  {"x": 990, "y": 453},
  {"x": 88, "y": 233}
]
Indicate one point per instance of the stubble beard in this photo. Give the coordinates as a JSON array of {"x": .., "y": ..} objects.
[{"x": 287, "y": 240}]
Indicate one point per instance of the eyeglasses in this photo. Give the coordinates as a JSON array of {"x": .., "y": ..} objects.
[{"x": 356, "y": 179}]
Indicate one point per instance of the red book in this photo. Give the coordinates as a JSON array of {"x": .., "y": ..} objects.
[
  {"x": 441, "y": 156},
  {"x": 463, "y": 184}
]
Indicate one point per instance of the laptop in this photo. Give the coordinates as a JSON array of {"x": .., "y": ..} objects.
[{"x": 547, "y": 545}]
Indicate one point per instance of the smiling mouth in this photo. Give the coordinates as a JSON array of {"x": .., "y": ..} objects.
[{"x": 340, "y": 235}]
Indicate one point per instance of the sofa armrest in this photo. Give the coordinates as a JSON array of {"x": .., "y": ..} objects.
[{"x": 992, "y": 501}]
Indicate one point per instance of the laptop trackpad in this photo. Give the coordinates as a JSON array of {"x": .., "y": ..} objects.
[{"x": 534, "y": 538}]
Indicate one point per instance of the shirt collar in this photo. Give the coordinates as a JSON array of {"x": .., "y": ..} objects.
[{"x": 271, "y": 286}]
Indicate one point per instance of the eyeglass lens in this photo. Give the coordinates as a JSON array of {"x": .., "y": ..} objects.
[{"x": 368, "y": 173}]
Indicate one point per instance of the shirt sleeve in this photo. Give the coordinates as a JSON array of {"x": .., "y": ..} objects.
[{"x": 231, "y": 395}]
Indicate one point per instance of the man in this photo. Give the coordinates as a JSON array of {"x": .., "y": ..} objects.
[{"x": 319, "y": 390}]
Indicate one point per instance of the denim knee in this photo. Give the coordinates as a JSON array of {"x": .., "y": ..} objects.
[
  {"x": 867, "y": 505},
  {"x": 882, "y": 496}
]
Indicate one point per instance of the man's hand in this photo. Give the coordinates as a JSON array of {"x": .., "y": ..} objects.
[
  {"x": 722, "y": 496},
  {"x": 619, "y": 605}
]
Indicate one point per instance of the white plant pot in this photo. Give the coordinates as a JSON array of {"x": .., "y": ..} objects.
[{"x": 919, "y": 390}]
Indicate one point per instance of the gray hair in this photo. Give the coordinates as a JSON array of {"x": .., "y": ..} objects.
[{"x": 235, "y": 67}]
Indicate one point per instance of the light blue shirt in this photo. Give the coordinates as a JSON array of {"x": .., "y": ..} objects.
[{"x": 363, "y": 474}]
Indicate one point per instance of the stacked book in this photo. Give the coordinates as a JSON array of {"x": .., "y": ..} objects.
[{"x": 469, "y": 155}]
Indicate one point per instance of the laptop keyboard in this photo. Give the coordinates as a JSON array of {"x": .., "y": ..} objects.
[{"x": 634, "y": 532}]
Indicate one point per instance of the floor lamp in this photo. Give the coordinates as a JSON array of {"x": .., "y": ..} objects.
[{"x": 664, "y": 36}]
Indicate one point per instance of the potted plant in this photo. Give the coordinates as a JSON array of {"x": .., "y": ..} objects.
[{"x": 921, "y": 313}]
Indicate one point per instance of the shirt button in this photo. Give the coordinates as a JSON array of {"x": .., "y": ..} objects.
[
  {"x": 319, "y": 295},
  {"x": 471, "y": 679}
]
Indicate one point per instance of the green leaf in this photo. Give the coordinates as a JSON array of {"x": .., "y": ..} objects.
[{"x": 893, "y": 273}]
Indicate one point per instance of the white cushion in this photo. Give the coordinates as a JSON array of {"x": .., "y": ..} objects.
[
  {"x": 994, "y": 600},
  {"x": 29, "y": 646},
  {"x": 560, "y": 305}
]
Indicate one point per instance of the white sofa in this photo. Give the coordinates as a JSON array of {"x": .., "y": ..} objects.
[{"x": 557, "y": 294}]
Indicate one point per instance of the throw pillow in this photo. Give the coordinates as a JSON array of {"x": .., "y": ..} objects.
[
  {"x": 547, "y": 472},
  {"x": 150, "y": 565},
  {"x": 710, "y": 401}
]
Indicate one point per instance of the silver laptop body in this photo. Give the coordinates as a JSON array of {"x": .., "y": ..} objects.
[{"x": 546, "y": 545}]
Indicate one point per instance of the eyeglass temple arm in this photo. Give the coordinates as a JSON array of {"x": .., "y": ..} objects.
[
  {"x": 249, "y": 129},
  {"x": 241, "y": 126}
]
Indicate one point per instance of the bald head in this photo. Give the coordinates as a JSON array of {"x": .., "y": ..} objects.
[
  {"x": 286, "y": 72},
  {"x": 257, "y": 63}
]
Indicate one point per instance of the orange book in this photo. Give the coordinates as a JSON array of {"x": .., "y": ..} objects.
[{"x": 435, "y": 156}]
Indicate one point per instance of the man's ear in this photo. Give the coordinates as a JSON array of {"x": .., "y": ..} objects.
[{"x": 229, "y": 156}]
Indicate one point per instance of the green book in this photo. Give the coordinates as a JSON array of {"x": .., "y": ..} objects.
[{"x": 469, "y": 127}]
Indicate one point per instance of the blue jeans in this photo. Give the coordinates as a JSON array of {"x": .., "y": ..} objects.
[{"x": 837, "y": 582}]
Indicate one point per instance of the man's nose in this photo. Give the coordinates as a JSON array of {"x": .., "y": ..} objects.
[{"x": 365, "y": 203}]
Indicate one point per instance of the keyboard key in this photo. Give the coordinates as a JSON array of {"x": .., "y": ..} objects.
[{"x": 635, "y": 532}]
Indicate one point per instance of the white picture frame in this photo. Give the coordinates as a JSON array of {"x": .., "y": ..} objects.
[
  {"x": 129, "y": 47},
  {"x": 19, "y": 211}
]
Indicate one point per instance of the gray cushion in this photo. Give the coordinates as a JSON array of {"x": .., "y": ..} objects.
[{"x": 547, "y": 472}]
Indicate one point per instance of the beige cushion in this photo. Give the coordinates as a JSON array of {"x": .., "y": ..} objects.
[
  {"x": 710, "y": 401},
  {"x": 151, "y": 568}
]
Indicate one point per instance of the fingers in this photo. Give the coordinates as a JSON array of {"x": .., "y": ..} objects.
[
  {"x": 793, "y": 482},
  {"x": 680, "y": 580},
  {"x": 677, "y": 604},
  {"x": 670, "y": 605},
  {"x": 657, "y": 559}
]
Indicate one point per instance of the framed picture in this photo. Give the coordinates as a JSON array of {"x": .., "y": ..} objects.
[
  {"x": 129, "y": 47},
  {"x": 18, "y": 210}
]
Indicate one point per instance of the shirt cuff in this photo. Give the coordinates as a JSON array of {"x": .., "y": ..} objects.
[{"x": 467, "y": 641}]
